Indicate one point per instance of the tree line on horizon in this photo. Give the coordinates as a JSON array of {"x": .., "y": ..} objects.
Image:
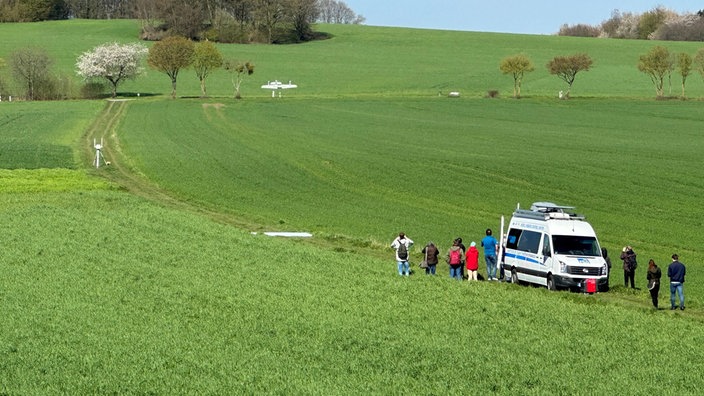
[
  {"x": 659, "y": 23},
  {"x": 226, "y": 21}
]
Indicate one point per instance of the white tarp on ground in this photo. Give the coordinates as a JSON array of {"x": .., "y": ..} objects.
[{"x": 287, "y": 234}]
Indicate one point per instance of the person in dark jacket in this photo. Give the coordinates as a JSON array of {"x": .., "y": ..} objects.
[
  {"x": 676, "y": 272},
  {"x": 605, "y": 255},
  {"x": 431, "y": 253},
  {"x": 629, "y": 266},
  {"x": 654, "y": 275}
]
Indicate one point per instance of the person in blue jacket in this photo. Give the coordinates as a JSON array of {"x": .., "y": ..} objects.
[
  {"x": 676, "y": 272},
  {"x": 490, "y": 245}
]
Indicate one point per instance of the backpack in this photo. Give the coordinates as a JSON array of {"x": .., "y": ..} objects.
[
  {"x": 631, "y": 261},
  {"x": 402, "y": 251},
  {"x": 455, "y": 257}
]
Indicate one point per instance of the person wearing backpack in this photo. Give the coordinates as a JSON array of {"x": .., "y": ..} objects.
[
  {"x": 402, "y": 246},
  {"x": 629, "y": 266},
  {"x": 464, "y": 249},
  {"x": 431, "y": 253},
  {"x": 455, "y": 260}
]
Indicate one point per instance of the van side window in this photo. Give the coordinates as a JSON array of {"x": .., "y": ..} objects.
[
  {"x": 512, "y": 238},
  {"x": 529, "y": 241},
  {"x": 546, "y": 245}
]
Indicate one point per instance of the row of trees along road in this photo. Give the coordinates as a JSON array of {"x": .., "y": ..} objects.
[
  {"x": 659, "y": 64},
  {"x": 241, "y": 21},
  {"x": 116, "y": 63}
]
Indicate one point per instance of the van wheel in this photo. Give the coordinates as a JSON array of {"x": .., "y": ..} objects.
[
  {"x": 551, "y": 283},
  {"x": 514, "y": 277}
]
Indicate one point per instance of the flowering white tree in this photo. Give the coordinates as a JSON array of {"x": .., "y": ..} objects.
[{"x": 113, "y": 62}]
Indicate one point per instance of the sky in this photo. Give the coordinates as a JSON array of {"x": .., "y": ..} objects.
[{"x": 504, "y": 16}]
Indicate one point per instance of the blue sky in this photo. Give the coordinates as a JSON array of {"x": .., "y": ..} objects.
[{"x": 507, "y": 16}]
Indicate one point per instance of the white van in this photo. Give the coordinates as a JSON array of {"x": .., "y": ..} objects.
[{"x": 549, "y": 245}]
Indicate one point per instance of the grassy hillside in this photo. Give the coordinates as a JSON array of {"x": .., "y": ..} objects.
[
  {"x": 436, "y": 168},
  {"x": 363, "y": 60},
  {"x": 105, "y": 291},
  {"x": 112, "y": 294}
]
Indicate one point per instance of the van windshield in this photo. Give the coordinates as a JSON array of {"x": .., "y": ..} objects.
[{"x": 575, "y": 245}]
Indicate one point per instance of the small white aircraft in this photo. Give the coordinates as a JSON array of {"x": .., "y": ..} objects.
[{"x": 277, "y": 85}]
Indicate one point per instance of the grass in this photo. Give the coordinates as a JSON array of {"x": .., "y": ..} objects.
[
  {"x": 43, "y": 135},
  {"x": 432, "y": 167},
  {"x": 104, "y": 291},
  {"x": 182, "y": 307}
]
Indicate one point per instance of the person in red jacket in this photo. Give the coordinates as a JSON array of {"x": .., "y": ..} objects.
[{"x": 472, "y": 260}]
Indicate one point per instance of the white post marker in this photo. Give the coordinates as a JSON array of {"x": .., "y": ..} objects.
[{"x": 98, "y": 153}]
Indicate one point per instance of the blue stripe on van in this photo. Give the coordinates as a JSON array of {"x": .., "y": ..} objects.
[{"x": 523, "y": 258}]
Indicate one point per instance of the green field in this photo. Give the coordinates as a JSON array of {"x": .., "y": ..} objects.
[{"x": 143, "y": 277}]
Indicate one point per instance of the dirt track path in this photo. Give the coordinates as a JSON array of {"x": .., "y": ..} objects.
[
  {"x": 119, "y": 171},
  {"x": 122, "y": 172}
]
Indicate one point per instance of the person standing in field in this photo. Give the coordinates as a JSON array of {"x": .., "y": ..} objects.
[
  {"x": 628, "y": 256},
  {"x": 455, "y": 259},
  {"x": 654, "y": 275},
  {"x": 472, "y": 261},
  {"x": 605, "y": 255},
  {"x": 431, "y": 253},
  {"x": 402, "y": 245},
  {"x": 676, "y": 272},
  {"x": 464, "y": 249},
  {"x": 490, "y": 246}
]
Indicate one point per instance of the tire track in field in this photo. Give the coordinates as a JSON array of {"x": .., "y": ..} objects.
[{"x": 123, "y": 172}]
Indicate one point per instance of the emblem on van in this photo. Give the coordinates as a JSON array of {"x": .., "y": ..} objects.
[{"x": 585, "y": 270}]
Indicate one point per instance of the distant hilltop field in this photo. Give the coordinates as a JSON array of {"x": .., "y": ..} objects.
[{"x": 356, "y": 60}]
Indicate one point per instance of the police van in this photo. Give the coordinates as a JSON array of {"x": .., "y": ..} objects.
[{"x": 549, "y": 245}]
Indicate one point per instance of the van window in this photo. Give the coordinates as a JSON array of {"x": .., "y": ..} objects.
[
  {"x": 546, "y": 245},
  {"x": 529, "y": 241},
  {"x": 512, "y": 238},
  {"x": 576, "y": 245}
]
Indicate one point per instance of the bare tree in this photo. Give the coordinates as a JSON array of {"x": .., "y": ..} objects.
[
  {"x": 183, "y": 18},
  {"x": 302, "y": 14},
  {"x": 683, "y": 28},
  {"x": 579, "y": 30},
  {"x": 31, "y": 68},
  {"x": 101, "y": 9},
  {"x": 268, "y": 14},
  {"x": 238, "y": 70}
]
